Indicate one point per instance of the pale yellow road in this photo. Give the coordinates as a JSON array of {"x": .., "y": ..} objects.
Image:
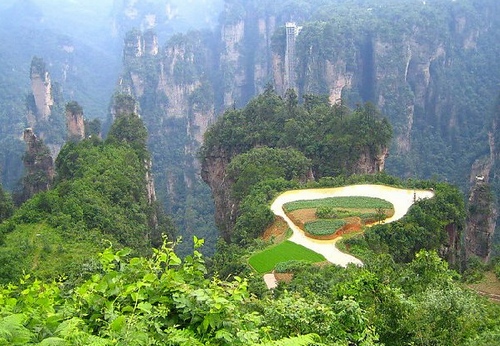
[{"x": 402, "y": 199}]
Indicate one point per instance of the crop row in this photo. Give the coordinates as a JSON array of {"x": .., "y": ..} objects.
[{"x": 340, "y": 202}]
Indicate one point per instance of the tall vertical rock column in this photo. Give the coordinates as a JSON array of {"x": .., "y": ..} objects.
[
  {"x": 38, "y": 164},
  {"x": 75, "y": 122},
  {"x": 41, "y": 87}
]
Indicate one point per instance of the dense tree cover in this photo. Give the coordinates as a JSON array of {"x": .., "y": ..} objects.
[
  {"x": 139, "y": 301},
  {"x": 254, "y": 214},
  {"x": 168, "y": 301},
  {"x": 6, "y": 205},
  {"x": 100, "y": 193},
  {"x": 427, "y": 225},
  {"x": 265, "y": 163},
  {"x": 416, "y": 303},
  {"x": 333, "y": 137}
]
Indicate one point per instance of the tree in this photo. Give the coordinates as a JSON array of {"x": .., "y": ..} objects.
[{"x": 6, "y": 205}]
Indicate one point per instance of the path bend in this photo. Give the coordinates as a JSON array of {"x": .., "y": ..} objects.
[{"x": 402, "y": 199}]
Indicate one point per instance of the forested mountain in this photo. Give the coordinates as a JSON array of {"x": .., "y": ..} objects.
[
  {"x": 101, "y": 194},
  {"x": 430, "y": 67},
  {"x": 79, "y": 68},
  {"x": 328, "y": 141}
]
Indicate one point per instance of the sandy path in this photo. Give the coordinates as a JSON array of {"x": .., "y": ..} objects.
[{"x": 402, "y": 199}]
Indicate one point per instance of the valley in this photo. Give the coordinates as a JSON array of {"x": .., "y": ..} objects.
[{"x": 158, "y": 157}]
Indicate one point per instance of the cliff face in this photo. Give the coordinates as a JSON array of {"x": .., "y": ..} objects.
[
  {"x": 370, "y": 163},
  {"x": 233, "y": 72},
  {"x": 41, "y": 87},
  {"x": 214, "y": 173},
  {"x": 174, "y": 94},
  {"x": 481, "y": 221},
  {"x": 75, "y": 122}
]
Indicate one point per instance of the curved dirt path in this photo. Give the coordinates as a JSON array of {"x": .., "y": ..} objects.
[{"x": 402, "y": 199}]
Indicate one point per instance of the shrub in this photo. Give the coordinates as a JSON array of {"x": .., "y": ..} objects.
[
  {"x": 326, "y": 212},
  {"x": 292, "y": 266}
]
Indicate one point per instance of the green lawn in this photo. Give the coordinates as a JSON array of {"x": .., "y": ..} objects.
[
  {"x": 264, "y": 261},
  {"x": 340, "y": 202}
]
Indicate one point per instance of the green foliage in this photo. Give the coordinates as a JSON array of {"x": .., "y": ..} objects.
[
  {"x": 6, "y": 205},
  {"x": 474, "y": 270},
  {"x": 326, "y": 212},
  {"x": 323, "y": 227},
  {"x": 333, "y": 137},
  {"x": 265, "y": 261},
  {"x": 164, "y": 300},
  {"x": 496, "y": 269},
  {"x": 342, "y": 321},
  {"x": 265, "y": 163},
  {"x": 38, "y": 67},
  {"x": 292, "y": 266},
  {"x": 130, "y": 130},
  {"x": 74, "y": 108},
  {"x": 424, "y": 226},
  {"x": 403, "y": 303},
  {"x": 255, "y": 213},
  {"x": 92, "y": 128}
]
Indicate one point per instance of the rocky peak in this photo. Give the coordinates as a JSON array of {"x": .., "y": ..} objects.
[
  {"x": 482, "y": 213},
  {"x": 38, "y": 164},
  {"x": 124, "y": 104},
  {"x": 41, "y": 88},
  {"x": 370, "y": 163},
  {"x": 75, "y": 122},
  {"x": 138, "y": 44},
  {"x": 150, "y": 43},
  {"x": 481, "y": 221},
  {"x": 214, "y": 173}
]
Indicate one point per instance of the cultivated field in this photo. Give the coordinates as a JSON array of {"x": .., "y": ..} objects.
[
  {"x": 355, "y": 202},
  {"x": 322, "y": 218}
]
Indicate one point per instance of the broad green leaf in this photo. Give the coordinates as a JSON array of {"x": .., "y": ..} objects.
[{"x": 118, "y": 324}]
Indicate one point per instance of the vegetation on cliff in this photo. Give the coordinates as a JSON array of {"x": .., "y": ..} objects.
[
  {"x": 432, "y": 224},
  {"x": 332, "y": 137},
  {"x": 275, "y": 138}
]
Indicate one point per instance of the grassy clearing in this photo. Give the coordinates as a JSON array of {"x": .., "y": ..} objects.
[
  {"x": 265, "y": 261},
  {"x": 48, "y": 253},
  {"x": 340, "y": 202},
  {"x": 324, "y": 227}
]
